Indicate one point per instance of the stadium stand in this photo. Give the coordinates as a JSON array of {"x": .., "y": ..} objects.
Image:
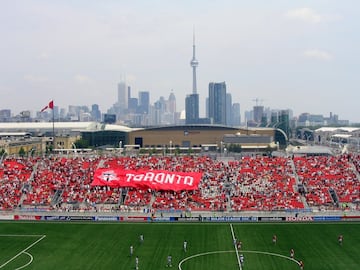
[{"x": 251, "y": 183}]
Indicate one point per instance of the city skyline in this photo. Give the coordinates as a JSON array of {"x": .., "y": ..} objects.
[{"x": 290, "y": 56}]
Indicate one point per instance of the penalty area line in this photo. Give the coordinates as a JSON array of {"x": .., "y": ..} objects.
[{"x": 23, "y": 251}]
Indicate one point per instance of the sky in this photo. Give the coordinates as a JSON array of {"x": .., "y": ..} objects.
[{"x": 283, "y": 54}]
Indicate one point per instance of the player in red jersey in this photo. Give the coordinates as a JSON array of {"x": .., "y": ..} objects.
[{"x": 340, "y": 239}]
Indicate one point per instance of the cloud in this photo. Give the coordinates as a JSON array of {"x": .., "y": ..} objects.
[
  {"x": 44, "y": 56},
  {"x": 318, "y": 54},
  {"x": 83, "y": 79},
  {"x": 310, "y": 16},
  {"x": 304, "y": 14},
  {"x": 35, "y": 79}
]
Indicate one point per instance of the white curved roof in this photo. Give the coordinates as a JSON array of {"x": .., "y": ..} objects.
[
  {"x": 74, "y": 126},
  {"x": 337, "y": 129}
]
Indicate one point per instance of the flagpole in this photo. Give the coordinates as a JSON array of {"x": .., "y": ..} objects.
[{"x": 53, "y": 128}]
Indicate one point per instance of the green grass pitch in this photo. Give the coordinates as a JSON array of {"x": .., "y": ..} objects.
[{"x": 46, "y": 245}]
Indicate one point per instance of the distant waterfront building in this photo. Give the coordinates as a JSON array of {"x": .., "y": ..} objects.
[{"x": 217, "y": 103}]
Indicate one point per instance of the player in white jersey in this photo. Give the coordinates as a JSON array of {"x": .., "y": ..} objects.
[
  {"x": 169, "y": 261},
  {"x": 185, "y": 246},
  {"x": 241, "y": 258}
]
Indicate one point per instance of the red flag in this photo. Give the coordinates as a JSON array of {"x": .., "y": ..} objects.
[{"x": 49, "y": 106}]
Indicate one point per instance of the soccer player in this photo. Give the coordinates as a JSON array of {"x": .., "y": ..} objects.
[
  {"x": 292, "y": 253},
  {"x": 274, "y": 239},
  {"x": 169, "y": 261},
  {"x": 141, "y": 238},
  {"x": 340, "y": 239},
  {"x": 301, "y": 264},
  {"x": 131, "y": 250},
  {"x": 137, "y": 263},
  {"x": 241, "y": 258},
  {"x": 239, "y": 245},
  {"x": 185, "y": 246}
]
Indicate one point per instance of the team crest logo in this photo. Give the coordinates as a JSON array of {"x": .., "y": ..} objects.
[{"x": 109, "y": 176}]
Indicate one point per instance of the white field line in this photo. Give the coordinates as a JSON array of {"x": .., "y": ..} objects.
[
  {"x": 24, "y": 250},
  {"x": 21, "y": 235},
  {"x": 231, "y": 251},
  {"x": 203, "y": 254},
  {"x": 27, "y": 264},
  {"x": 235, "y": 244},
  {"x": 272, "y": 254}
]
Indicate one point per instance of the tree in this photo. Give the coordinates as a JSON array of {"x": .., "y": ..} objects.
[
  {"x": 21, "y": 152},
  {"x": 82, "y": 143},
  {"x": 2, "y": 152}
]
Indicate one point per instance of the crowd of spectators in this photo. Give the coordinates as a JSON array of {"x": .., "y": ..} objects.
[{"x": 250, "y": 183}]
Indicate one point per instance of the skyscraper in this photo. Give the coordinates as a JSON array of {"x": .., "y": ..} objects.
[
  {"x": 229, "y": 114},
  {"x": 217, "y": 103},
  {"x": 192, "y": 109},
  {"x": 144, "y": 102},
  {"x": 236, "y": 117},
  {"x": 122, "y": 96}
]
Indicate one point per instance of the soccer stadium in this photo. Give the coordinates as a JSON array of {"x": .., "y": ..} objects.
[{"x": 117, "y": 211}]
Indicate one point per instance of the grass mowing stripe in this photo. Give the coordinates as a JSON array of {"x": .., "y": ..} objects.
[
  {"x": 235, "y": 245},
  {"x": 88, "y": 246},
  {"x": 21, "y": 252}
]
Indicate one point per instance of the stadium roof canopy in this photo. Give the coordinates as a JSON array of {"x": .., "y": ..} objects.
[
  {"x": 345, "y": 136},
  {"x": 73, "y": 126},
  {"x": 337, "y": 129},
  {"x": 310, "y": 150}
]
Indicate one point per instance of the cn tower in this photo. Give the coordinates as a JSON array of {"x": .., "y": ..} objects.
[{"x": 194, "y": 63}]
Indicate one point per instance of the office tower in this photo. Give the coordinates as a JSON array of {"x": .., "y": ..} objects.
[
  {"x": 228, "y": 109},
  {"x": 5, "y": 115},
  {"x": 144, "y": 102},
  {"x": 132, "y": 105},
  {"x": 236, "y": 116},
  {"x": 258, "y": 113},
  {"x": 284, "y": 122},
  {"x": 171, "y": 108},
  {"x": 95, "y": 113},
  {"x": 192, "y": 109},
  {"x": 217, "y": 103},
  {"x": 122, "y": 102}
]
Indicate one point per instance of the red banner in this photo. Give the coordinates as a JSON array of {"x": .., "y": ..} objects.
[{"x": 158, "y": 179}]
